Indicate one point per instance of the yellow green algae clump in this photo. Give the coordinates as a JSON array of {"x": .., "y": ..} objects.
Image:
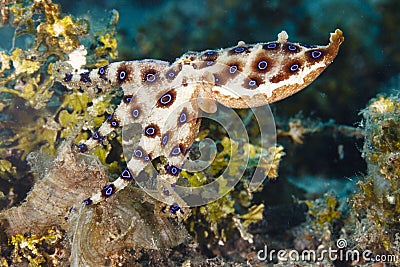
[
  {"x": 35, "y": 113},
  {"x": 378, "y": 203},
  {"x": 35, "y": 248},
  {"x": 324, "y": 210}
]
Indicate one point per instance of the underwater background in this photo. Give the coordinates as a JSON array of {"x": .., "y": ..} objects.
[{"x": 337, "y": 158}]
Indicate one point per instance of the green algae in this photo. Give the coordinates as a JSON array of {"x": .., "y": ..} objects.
[
  {"x": 28, "y": 93},
  {"x": 37, "y": 250},
  {"x": 324, "y": 210},
  {"x": 378, "y": 202}
]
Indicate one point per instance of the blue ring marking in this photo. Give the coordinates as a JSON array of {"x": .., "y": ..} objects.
[
  {"x": 210, "y": 53},
  {"x": 171, "y": 74},
  {"x": 182, "y": 117},
  {"x": 171, "y": 169},
  {"x": 272, "y": 45},
  {"x": 167, "y": 168},
  {"x": 174, "y": 170},
  {"x": 176, "y": 151},
  {"x": 294, "y": 67},
  {"x": 262, "y": 65},
  {"x": 150, "y": 77},
  {"x": 174, "y": 208},
  {"x": 164, "y": 140},
  {"x": 68, "y": 77},
  {"x": 135, "y": 113},
  {"x": 292, "y": 47},
  {"x": 102, "y": 71},
  {"x": 239, "y": 49},
  {"x": 122, "y": 75},
  {"x": 82, "y": 148},
  {"x": 316, "y": 54},
  {"x": 126, "y": 174},
  {"x": 85, "y": 77},
  {"x": 166, "y": 191},
  {"x": 165, "y": 102},
  {"x": 97, "y": 136},
  {"x": 209, "y": 63},
  {"x": 127, "y": 99},
  {"x": 233, "y": 69},
  {"x": 108, "y": 190},
  {"x": 146, "y": 158},
  {"x": 113, "y": 122},
  {"x": 138, "y": 153},
  {"x": 87, "y": 201},
  {"x": 252, "y": 83},
  {"x": 150, "y": 131}
]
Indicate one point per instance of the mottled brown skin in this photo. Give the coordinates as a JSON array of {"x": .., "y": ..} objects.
[{"x": 329, "y": 53}]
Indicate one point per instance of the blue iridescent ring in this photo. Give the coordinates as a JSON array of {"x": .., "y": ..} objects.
[{"x": 239, "y": 49}]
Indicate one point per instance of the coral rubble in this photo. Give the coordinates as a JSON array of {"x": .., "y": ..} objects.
[{"x": 377, "y": 204}]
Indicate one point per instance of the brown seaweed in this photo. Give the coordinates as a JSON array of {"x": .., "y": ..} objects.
[
  {"x": 105, "y": 233},
  {"x": 94, "y": 236},
  {"x": 69, "y": 179}
]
